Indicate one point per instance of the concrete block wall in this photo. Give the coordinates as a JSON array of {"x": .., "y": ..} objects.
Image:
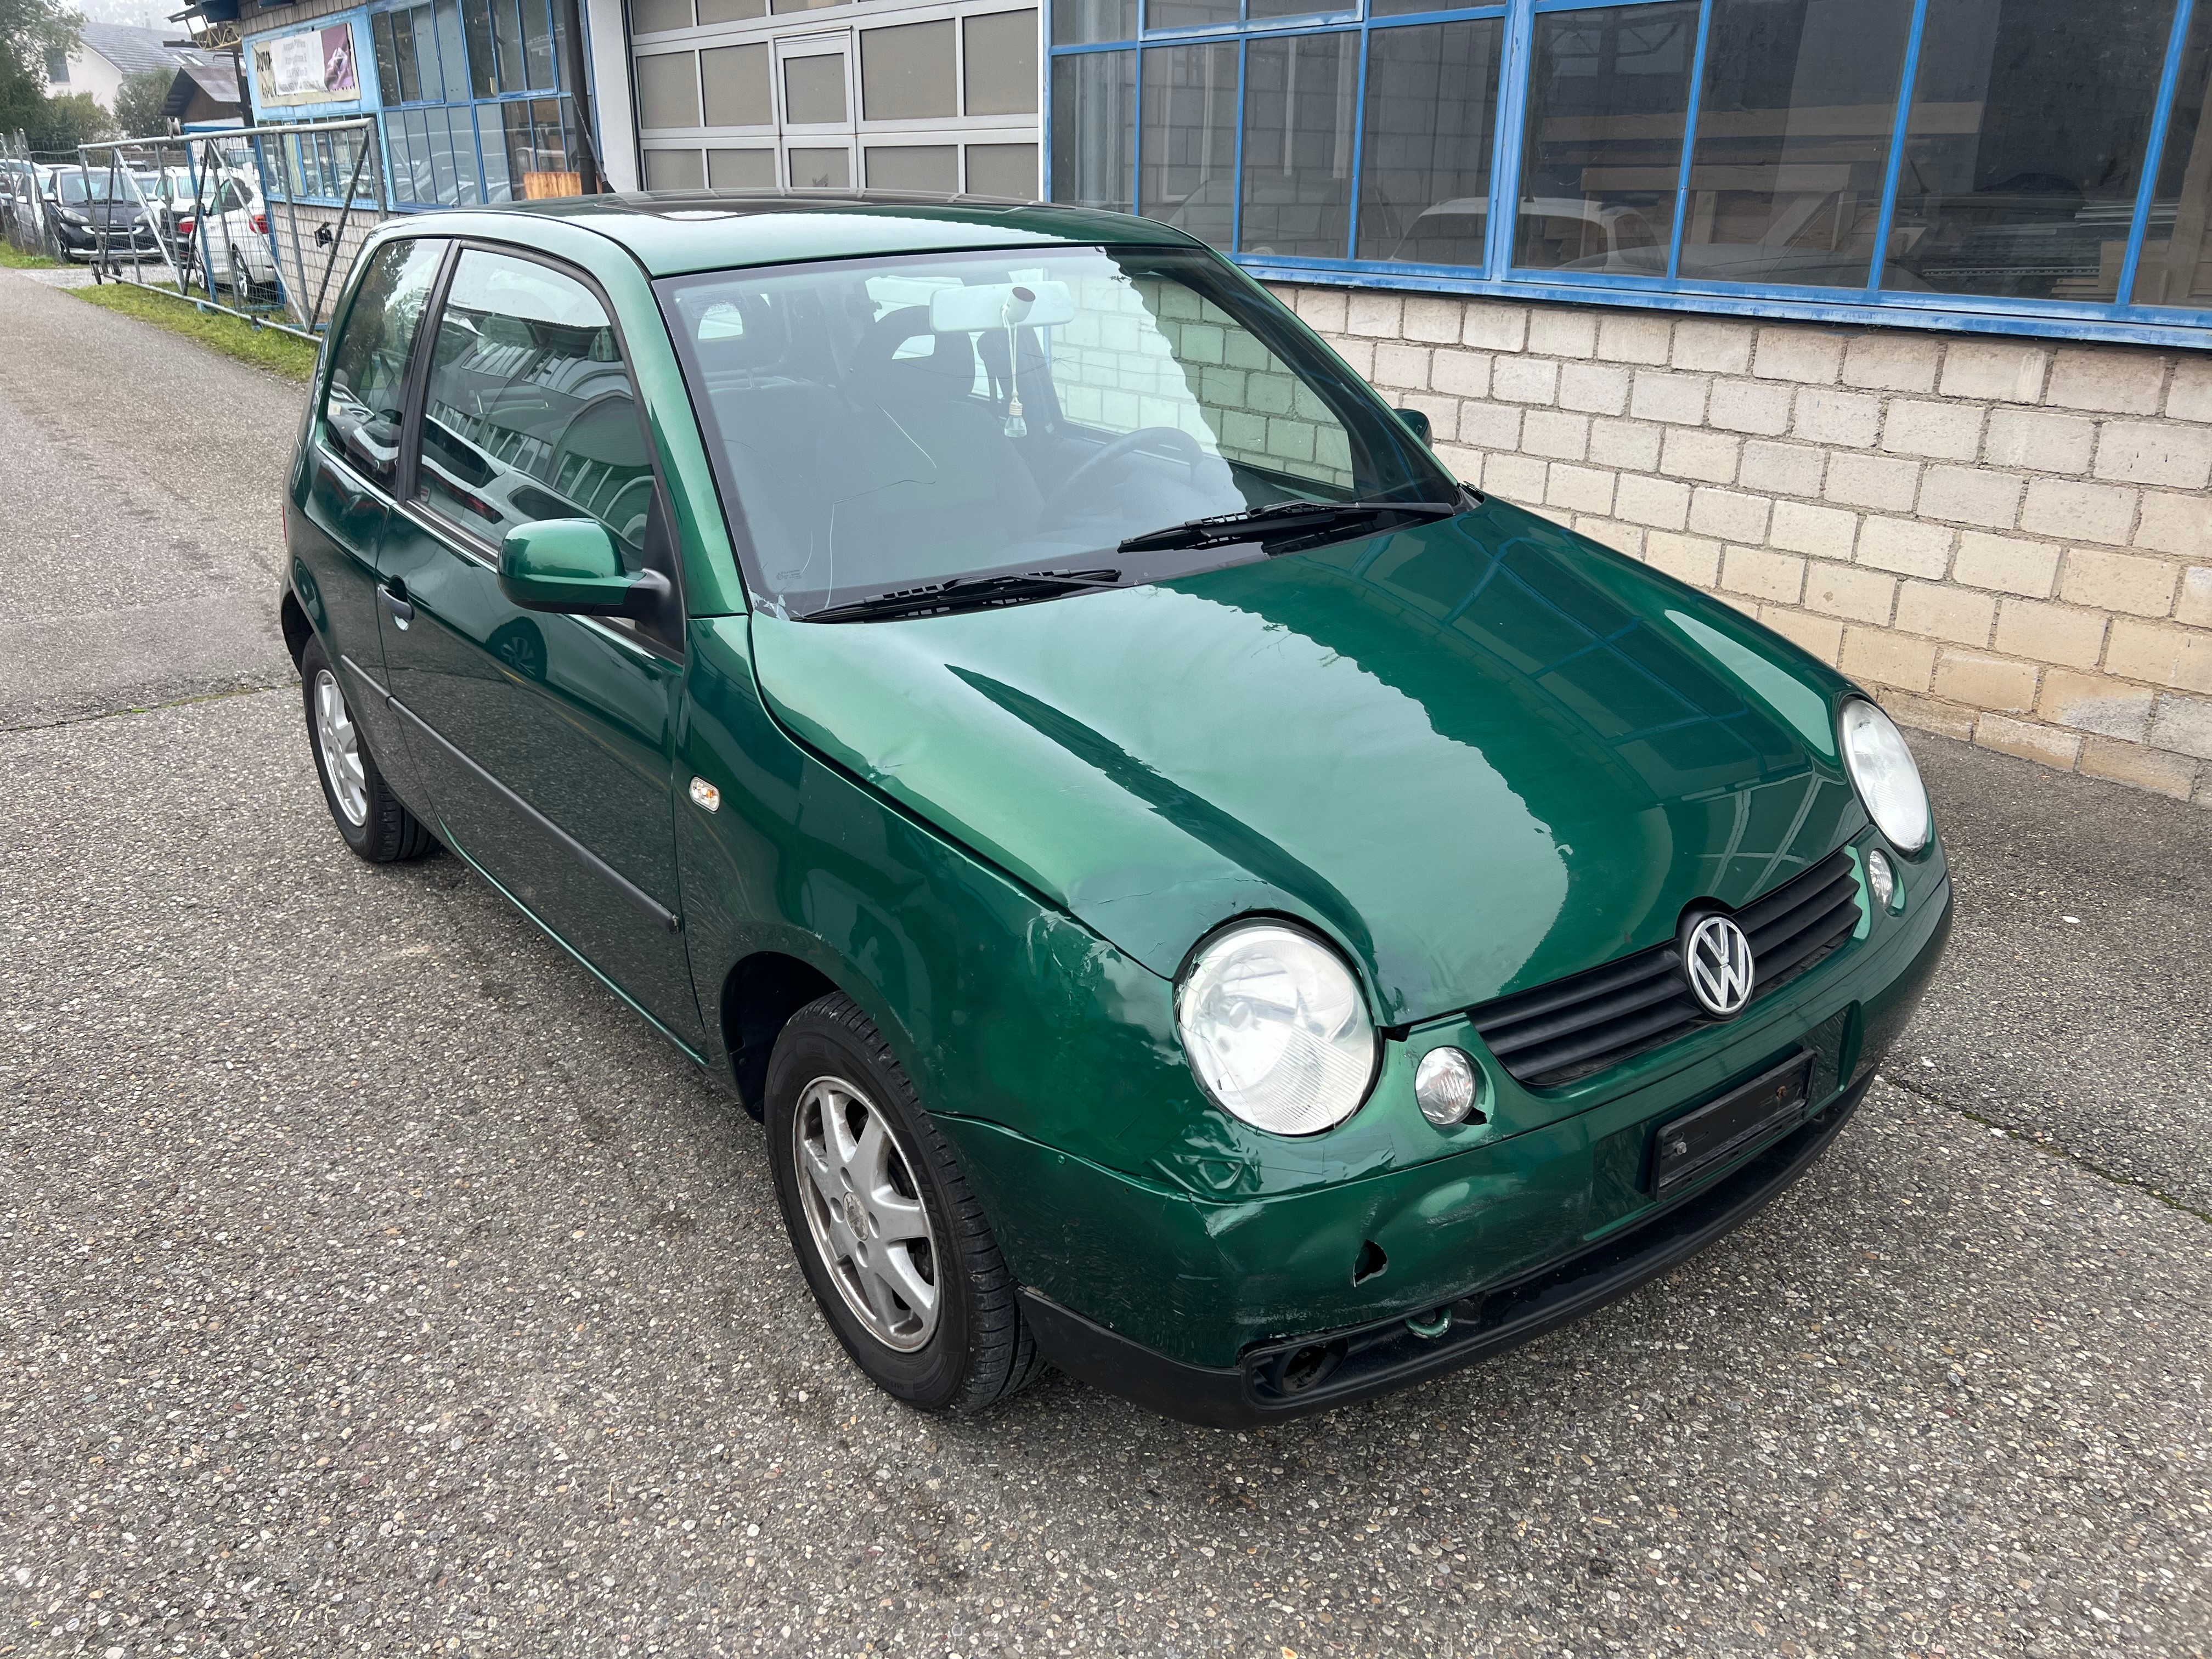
[{"x": 2007, "y": 540}]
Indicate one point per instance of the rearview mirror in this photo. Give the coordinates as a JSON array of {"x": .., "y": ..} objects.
[
  {"x": 1416, "y": 422},
  {"x": 569, "y": 565},
  {"x": 1000, "y": 305}
]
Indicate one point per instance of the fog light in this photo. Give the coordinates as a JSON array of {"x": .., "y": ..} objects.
[
  {"x": 1446, "y": 1084},
  {"x": 1881, "y": 879}
]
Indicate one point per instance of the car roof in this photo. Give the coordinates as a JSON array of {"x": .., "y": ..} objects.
[{"x": 671, "y": 233}]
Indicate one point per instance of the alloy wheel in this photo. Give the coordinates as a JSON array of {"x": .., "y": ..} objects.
[
  {"x": 865, "y": 1213},
  {"x": 341, "y": 747}
]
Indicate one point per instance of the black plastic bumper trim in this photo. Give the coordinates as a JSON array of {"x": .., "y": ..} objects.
[{"x": 1486, "y": 1322}]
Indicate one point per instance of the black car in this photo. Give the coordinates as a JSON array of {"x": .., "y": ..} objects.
[{"x": 83, "y": 205}]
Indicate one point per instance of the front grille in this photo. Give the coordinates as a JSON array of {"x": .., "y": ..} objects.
[{"x": 1574, "y": 1027}]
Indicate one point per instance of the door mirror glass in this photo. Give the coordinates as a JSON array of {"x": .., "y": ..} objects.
[{"x": 570, "y": 565}]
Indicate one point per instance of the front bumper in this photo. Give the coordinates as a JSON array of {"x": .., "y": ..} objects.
[
  {"x": 1199, "y": 1297},
  {"x": 1288, "y": 1379}
]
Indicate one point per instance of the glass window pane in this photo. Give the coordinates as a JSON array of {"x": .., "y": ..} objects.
[
  {"x": 1793, "y": 130},
  {"x": 668, "y": 90},
  {"x": 741, "y": 169},
  {"x": 814, "y": 89},
  {"x": 1424, "y": 166},
  {"x": 2025, "y": 147},
  {"x": 403, "y": 41},
  {"x": 934, "y": 167},
  {"x": 1094, "y": 107},
  {"x": 424, "y": 182},
  {"x": 2177, "y": 256},
  {"x": 426, "y": 55},
  {"x": 1190, "y": 139},
  {"x": 656, "y": 16},
  {"x": 369, "y": 366},
  {"x": 731, "y": 11},
  {"x": 907, "y": 73},
  {"x": 673, "y": 169},
  {"x": 1007, "y": 170},
  {"x": 1300, "y": 96},
  {"x": 1189, "y": 13},
  {"x": 1086, "y": 22},
  {"x": 441, "y": 158},
  {"x": 805, "y": 5},
  {"x": 737, "y": 91},
  {"x": 1001, "y": 63},
  {"x": 1603, "y": 150},
  {"x": 387, "y": 63},
  {"x": 483, "y": 75},
  {"x": 506, "y": 28},
  {"x": 538, "y": 44},
  {"x": 529, "y": 413},
  {"x": 491, "y": 140},
  {"x": 462, "y": 133},
  {"x": 821, "y": 169},
  {"x": 1294, "y": 8},
  {"x": 453, "y": 55}
]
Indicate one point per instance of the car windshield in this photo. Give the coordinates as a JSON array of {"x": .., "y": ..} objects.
[
  {"x": 884, "y": 425},
  {"x": 71, "y": 186}
]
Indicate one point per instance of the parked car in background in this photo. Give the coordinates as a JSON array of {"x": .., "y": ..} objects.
[
  {"x": 234, "y": 249},
  {"x": 1197, "y": 895},
  {"x": 93, "y": 209}
]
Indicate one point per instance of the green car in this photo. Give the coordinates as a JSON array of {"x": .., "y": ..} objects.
[{"x": 1198, "y": 897}]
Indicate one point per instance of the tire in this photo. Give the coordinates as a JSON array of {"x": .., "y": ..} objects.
[
  {"x": 971, "y": 1349},
  {"x": 371, "y": 818}
]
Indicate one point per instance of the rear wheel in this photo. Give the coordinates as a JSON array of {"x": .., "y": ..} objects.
[
  {"x": 893, "y": 1245},
  {"x": 372, "y": 820}
]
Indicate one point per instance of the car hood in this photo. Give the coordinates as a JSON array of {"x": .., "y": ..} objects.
[{"x": 1478, "y": 754}]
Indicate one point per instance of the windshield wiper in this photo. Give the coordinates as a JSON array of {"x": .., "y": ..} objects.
[
  {"x": 1283, "y": 519},
  {"x": 964, "y": 592}
]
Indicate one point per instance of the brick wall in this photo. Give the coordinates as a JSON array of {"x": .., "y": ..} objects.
[{"x": 2008, "y": 541}]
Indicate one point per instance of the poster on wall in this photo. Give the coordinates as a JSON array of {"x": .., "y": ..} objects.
[{"x": 308, "y": 66}]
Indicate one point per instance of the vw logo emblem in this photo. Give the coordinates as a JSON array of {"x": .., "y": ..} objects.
[{"x": 1716, "y": 956}]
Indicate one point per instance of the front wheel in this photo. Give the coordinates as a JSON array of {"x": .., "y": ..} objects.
[
  {"x": 894, "y": 1247},
  {"x": 374, "y": 821}
]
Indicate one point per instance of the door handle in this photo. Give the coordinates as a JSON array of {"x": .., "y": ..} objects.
[{"x": 402, "y": 612}]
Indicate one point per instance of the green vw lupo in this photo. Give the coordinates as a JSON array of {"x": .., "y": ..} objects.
[{"x": 1199, "y": 897}]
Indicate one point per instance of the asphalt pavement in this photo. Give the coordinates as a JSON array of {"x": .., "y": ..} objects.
[{"x": 371, "y": 1282}]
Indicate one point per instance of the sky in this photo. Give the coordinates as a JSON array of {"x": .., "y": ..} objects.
[{"x": 147, "y": 13}]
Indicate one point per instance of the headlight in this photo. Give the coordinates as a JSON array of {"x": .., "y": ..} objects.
[
  {"x": 1881, "y": 769},
  {"x": 1276, "y": 1029}
]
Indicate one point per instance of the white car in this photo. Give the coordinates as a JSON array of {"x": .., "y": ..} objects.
[{"x": 235, "y": 247}]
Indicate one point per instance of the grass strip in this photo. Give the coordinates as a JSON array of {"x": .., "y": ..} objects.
[
  {"x": 264, "y": 347},
  {"x": 14, "y": 258}
]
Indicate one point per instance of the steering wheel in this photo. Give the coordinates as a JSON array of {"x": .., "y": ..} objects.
[{"x": 1087, "y": 475}]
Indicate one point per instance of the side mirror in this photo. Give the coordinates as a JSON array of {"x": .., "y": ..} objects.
[
  {"x": 1416, "y": 422},
  {"x": 569, "y": 565}
]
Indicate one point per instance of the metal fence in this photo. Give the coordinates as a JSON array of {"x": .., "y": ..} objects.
[{"x": 262, "y": 222}]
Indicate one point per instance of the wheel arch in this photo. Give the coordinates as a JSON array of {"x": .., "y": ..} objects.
[
  {"x": 292, "y": 617},
  {"x": 760, "y": 994}
]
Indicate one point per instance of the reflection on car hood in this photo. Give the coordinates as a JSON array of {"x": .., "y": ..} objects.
[{"x": 1480, "y": 754}]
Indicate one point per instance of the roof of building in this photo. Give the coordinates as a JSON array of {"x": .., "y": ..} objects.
[
  {"x": 672, "y": 233},
  {"x": 218, "y": 82},
  {"x": 134, "y": 50}
]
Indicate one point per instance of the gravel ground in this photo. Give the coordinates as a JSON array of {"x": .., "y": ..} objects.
[{"x": 374, "y": 1282}]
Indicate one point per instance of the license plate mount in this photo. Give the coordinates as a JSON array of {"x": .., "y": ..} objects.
[{"x": 1703, "y": 1138}]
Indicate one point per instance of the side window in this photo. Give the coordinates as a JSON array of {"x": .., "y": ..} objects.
[
  {"x": 369, "y": 366},
  {"x": 530, "y": 413}
]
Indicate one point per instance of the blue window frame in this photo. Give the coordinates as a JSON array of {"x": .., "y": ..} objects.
[
  {"x": 2034, "y": 166},
  {"x": 475, "y": 109}
]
